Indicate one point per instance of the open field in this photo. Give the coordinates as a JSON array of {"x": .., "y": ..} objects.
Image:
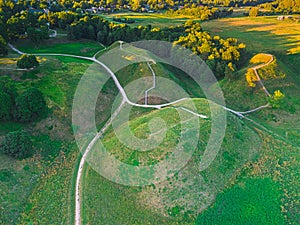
[
  {"x": 261, "y": 34},
  {"x": 82, "y": 48},
  {"x": 255, "y": 201},
  {"x": 153, "y": 19}
]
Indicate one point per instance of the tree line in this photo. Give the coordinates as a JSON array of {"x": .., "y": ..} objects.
[
  {"x": 201, "y": 12},
  {"x": 223, "y": 56},
  {"x": 282, "y": 6}
]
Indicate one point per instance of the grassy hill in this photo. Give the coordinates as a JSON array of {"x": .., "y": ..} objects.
[{"x": 182, "y": 196}]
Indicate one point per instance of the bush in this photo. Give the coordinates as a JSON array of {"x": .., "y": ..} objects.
[
  {"x": 251, "y": 78},
  {"x": 277, "y": 99},
  {"x": 17, "y": 144},
  {"x": 7, "y": 99},
  {"x": 27, "y": 62},
  {"x": 6, "y": 106},
  {"x": 30, "y": 106}
]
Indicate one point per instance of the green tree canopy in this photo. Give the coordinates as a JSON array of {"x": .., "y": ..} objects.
[
  {"x": 30, "y": 106},
  {"x": 17, "y": 144},
  {"x": 8, "y": 94},
  {"x": 3, "y": 46},
  {"x": 27, "y": 61},
  {"x": 6, "y": 106}
]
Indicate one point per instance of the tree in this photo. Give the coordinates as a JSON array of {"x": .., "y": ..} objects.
[
  {"x": 276, "y": 100},
  {"x": 135, "y": 4},
  {"x": 3, "y": 46},
  {"x": 254, "y": 12},
  {"x": 37, "y": 34},
  {"x": 27, "y": 61},
  {"x": 30, "y": 106},
  {"x": 6, "y": 106},
  {"x": 17, "y": 144},
  {"x": 101, "y": 36},
  {"x": 230, "y": 71}
]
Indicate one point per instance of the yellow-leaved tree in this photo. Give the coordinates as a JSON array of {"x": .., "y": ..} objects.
[
  {"x": 251, "y": 78},
  {"x": 276, "y": 100}
]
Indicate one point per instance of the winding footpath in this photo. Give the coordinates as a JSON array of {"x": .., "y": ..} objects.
[
  {"x": 126, "y": 100},
  {"x": 255, "y": 68},
  {"x": 148, "y": 60}
]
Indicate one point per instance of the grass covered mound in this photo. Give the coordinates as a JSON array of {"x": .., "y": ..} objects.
[
  {"x": 185, "y": 193},
  {"x": 255, "y": 201}
]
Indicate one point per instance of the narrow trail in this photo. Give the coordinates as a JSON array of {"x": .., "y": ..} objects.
[
  {"x": 148, "y": 60},
  {"x": 14, "y": 49},
  {"x": 255, "y": 68},
  {"x": 82, "y": 161},
  {"x": 124, "y": 100},
  {"x": 257, "y": 109},
  {"x": 153, "y": 83}
]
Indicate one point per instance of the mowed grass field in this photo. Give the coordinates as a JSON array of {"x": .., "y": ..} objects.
[
  {"x": 261, "y": 34},
  {"x": 63, "y": 46},
  {"x": 153, "y": 19}
]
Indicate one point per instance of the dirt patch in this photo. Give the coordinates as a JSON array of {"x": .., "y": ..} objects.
[
  {"x": 56, "y": 128},
  {"x": 216, "y": 30},
  {"x": 152, "y": 100},
  {"x": 85, "y": 50}
]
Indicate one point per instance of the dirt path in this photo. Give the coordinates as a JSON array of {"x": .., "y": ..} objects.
[
  {"x": 255, "y": 68},
  {"x": 15, "y": 50},
  {"x": 148, "y": 60},
  {"x": 82, "y": 161}
]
